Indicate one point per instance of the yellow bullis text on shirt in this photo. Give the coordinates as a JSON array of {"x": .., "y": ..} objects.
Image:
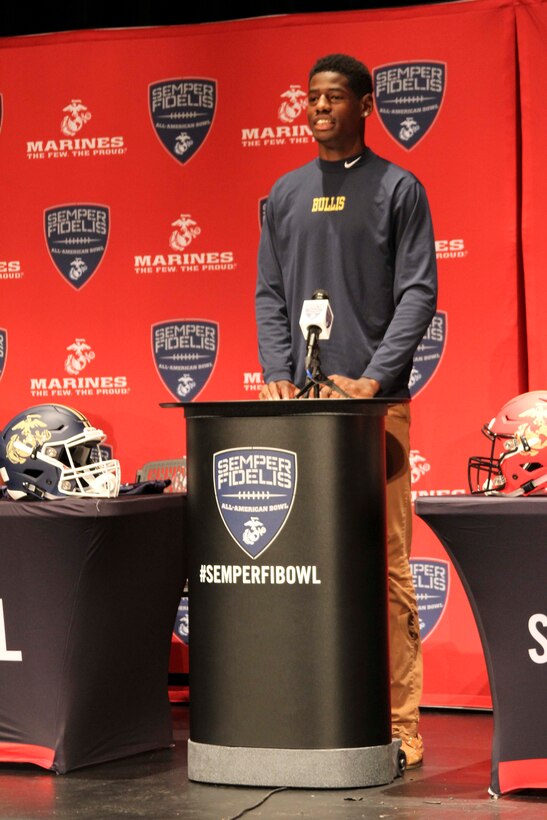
[{"x": 328, "y": 203}]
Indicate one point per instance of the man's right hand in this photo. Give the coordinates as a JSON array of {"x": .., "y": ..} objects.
[{"x": 278, "y": 390}]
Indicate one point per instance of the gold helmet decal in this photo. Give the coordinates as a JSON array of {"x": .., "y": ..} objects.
[
  {"x": 33, "y": 433},
  {"x": 534, "y": 432}
]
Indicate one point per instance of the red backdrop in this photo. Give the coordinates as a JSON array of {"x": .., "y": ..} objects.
[{"x": 134, "y": 167}]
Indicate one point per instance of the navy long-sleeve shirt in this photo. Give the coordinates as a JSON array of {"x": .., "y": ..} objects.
[{"x": 361, "y": 230}]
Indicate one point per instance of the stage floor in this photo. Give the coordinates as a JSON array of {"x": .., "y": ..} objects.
[{"x": 453, "y": 782}]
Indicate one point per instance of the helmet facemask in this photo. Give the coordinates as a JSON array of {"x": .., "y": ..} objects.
[
  {"x": 485, "y": 473},
  {"x": 79, "y": 473}
]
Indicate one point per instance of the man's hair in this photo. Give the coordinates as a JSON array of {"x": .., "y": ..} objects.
[{"x": 357, "y": 74}]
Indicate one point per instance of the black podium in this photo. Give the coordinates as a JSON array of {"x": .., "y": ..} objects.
[
  {"x": 498, "y": 546},
  {"x": 288, "y": 594},
  {"x": 89, "y": 590}
]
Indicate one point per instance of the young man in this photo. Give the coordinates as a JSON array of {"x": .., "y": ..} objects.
[{"x": 358, "y": 227}]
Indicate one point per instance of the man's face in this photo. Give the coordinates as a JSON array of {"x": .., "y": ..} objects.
[{"x": 336, "y": 114}]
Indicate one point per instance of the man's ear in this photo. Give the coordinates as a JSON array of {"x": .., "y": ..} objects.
[{"x": 367, "y": 105}]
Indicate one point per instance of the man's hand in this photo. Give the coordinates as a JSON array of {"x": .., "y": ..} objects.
[
  {"x": 278, "y": 390},
  {"x": 362, "y": 388}
]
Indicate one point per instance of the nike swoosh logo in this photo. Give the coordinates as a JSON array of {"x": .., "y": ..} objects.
[{"x": 352, "y": 163}]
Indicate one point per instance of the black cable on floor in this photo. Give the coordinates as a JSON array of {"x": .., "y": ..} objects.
[{"x": 260, "y": 802}]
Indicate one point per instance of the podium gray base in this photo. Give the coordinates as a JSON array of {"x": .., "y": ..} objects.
[{"x": 299, "y": 768}]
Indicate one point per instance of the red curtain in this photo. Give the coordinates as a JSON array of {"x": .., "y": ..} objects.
[{"x": 135, "y": 164}]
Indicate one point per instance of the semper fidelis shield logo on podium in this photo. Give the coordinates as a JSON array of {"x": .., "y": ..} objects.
[
  {"x": 182, "y": 113},
  {"x": 254, "y": 490}
]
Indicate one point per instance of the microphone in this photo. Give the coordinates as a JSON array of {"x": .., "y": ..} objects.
[{"x": 315, "y": 322}]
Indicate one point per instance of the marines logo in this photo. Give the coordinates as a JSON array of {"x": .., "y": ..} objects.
[
  {"x": 432, "y": 582},
  {"x": 409, "y": 127},
  {"x": 185, "y": 386},
  {"x": 182, "y": 113},
  {"x": 76, "y": 237},
  {"x": 418, "y": 466},
  {"x": 33, "y": 434},
  {"x": 428, "y": 354},
  {"x": 255, "y": 489},
  {"x": 183, "y": 143},
  {"x": 3, "y": 350},
  {"x": 75, "y": 118},
  {"x": 408, "y": 99},
  {"x": 185, "y": 353},
  {"x": 80, "y": 354},
  {"x": 536, "y": 436},
  {"x": 186, "y": 230},
  {"x": 77, "y": 269},
  {"x": 254, "y": 529},
  {"x": 294, "y": 103},
  {"x": 533, "y": 432}
]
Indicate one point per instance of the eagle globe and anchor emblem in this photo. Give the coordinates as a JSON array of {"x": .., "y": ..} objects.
[
  {"x": 31, "y": 432},
  {"x": 77, "y": 269},
  {"x": 80, "y": 354},
  {"x": 186, "y": 230},
  {"x": 183, "y": 143},
  {"x": 294, "y": 103},
  {"x": 409, "y": 127},
  {"x": 254, "y": 529},
  {"x": 76, "y": 117},
  {"x": 185, "y": 385}
]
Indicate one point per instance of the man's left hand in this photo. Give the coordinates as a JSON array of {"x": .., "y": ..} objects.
[{"x": 362, "y": 388}]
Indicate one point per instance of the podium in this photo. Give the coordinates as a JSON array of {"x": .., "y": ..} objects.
[{"x": 288, "y": 594}]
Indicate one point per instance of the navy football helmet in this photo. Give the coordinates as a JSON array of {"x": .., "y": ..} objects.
[
  {"x": 51, "y": 451},
  {"x": 517, "y": 464}
]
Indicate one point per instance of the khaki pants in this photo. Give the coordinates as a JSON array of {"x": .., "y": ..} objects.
[{"x": 404, "y": 630}]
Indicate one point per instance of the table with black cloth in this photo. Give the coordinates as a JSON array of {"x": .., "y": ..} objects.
[
  {"x": 499, "y": 548},
  {"x": 89, "y": 590}
]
